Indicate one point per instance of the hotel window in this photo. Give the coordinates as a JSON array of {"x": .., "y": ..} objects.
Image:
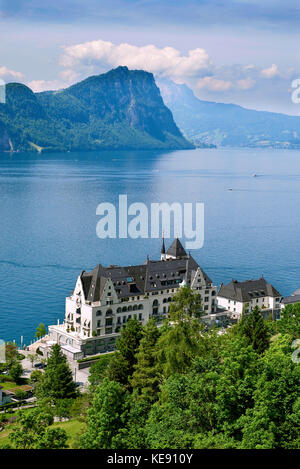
[
  {"x": 98, "y": 323},
  {"x": 206, "y": 299}
]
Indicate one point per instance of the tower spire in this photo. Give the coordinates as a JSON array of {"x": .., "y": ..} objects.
[{"x": 163, "y": 249}]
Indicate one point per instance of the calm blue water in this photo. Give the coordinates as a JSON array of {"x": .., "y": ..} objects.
[{"x": 48, "y": 220}]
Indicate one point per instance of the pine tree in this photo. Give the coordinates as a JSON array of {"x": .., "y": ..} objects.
[
  {"x": 180, "y": 342},
  {"x": 121, "y": 366},
  {"x": 57, "y": 381},
  {"x": 254, "y": 328},
  {"x": 40, "y": 331},
  {"x": 145, "y": 378}
]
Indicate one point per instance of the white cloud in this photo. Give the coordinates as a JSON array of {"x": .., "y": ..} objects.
[
  {"x": 213, "y": 84},
  {"x": 69, "y": 75},
  {"x": 270, "y": 72},
  {"x": 249, "y": 67},
  {"x": 246, "y": 84},
  {"x": 166, "y": 61},
  {"x": 45, "y": 85},
  {"x": 7, "y": 74}
]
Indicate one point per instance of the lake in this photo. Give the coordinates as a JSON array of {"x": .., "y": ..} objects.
[{"x": 48, "y": 220}]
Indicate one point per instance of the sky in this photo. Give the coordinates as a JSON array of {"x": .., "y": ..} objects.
[{"x": 234, "y": 51}]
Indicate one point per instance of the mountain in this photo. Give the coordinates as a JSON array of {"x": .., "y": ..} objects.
[
  {"x": 121, "y": 109},
  {"x": 205, "y": 122}
]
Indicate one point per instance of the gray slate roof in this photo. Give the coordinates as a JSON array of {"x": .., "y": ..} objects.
[
  {"x": 137, "y": 280},
  {"x": 293, "y": 298},
  {"x": 247, "y": 291},
  {"x": 176, "y": 249}
]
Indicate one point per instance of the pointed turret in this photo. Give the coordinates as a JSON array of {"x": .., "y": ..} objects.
[
  {"x": 163, "y": 250},
  {"x": 176, "y": 250}
]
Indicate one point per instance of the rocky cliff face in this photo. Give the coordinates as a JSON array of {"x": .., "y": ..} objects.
[{"x": 121, "y": 109}]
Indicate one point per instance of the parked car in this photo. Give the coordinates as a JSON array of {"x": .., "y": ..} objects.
[{"x": 40, "y": 365}]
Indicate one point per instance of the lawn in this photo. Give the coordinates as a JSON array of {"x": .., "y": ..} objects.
[
  {"x": 73, "y": 427},
  {"x": 10, "y": 385}
]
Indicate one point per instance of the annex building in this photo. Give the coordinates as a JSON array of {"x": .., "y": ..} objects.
[{"x": 238, "y": 297}]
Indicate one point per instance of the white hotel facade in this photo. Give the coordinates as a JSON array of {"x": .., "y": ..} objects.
[{"x": 104, "y": 299}]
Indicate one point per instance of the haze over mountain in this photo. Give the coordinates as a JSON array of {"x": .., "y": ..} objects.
[
  {"x": 227, "y": 124},
  {"x": 121, "y": 109}
]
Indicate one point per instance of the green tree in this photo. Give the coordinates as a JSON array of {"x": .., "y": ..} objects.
[
  {"x": 35, "y": 376},
  {"x": 105, "y": 417},
  {"x": 30, "y": 428},
  {"x": 122, "y": 364},
  {"x": 289, "y": 322},
  {"x": 40, "y": 331},
  {"x": 57, "y": 381},
  {"x": 133, "y": 434},
  {"x": 253, "y": 327},
  {"x": 11, "y": 353},
  {"x": 99, "y": 368},
  {"x": 20, "y": 394},
  {"x": 274, "y": 420},
  {"x": 16, "y": 372},
  {"x": 32, "y": 358},
  {"x": 63, "y": 408},
  {"x": 52, "y": 438},
  {"x": 145, "y": 378},
  {"x": 181, "y": 338},
  {"x": 168, "y": 424},
  {"x": 186, "y": 304}
]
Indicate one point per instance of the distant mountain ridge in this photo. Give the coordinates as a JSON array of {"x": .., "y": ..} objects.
[
  {"x": 121, "y": 109},
  {"x": 228, "y": 124}
]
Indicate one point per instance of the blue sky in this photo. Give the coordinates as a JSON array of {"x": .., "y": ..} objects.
[{"x": 242, "y": 51}]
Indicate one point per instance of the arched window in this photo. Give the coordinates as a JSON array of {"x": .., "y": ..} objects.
[
  {"x": 119, "y": 310},
  {"x": 155, "y": 303},
  {"x": 124, "y": 309},
  {"x": 169, "y": 299},
  {"x": 141, "y": 306},
  {"x": 129, "y": 308},
  {"x": 109, "y": 312},
  {"x": 135, "y": 307}
]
